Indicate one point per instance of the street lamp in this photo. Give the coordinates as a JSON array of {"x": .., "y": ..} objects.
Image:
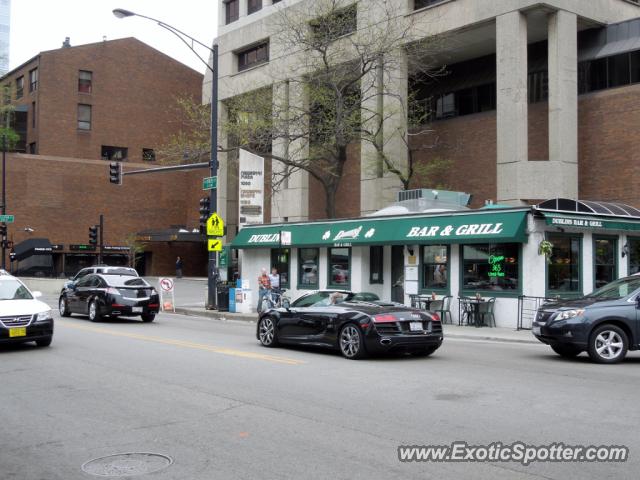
[{"x": 212, "y": 300}]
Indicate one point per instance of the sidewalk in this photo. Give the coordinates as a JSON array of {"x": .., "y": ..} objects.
[{"x": 453, "y": 331}]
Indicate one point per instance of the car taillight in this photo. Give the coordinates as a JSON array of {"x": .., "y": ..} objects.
[
  {"x": 113, "y": 291},
  {"x": 384, "y": 319},
  {"x": 435, "y": 317}
]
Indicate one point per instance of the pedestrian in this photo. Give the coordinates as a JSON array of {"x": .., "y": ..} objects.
[
  {"x": 274, "y": 278},
  {"x": 264, "y": 287},
  {"x": 179, "y": 267}
]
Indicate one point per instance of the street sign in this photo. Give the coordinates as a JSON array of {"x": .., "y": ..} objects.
[
  {"x": 7, "y": 218},
  {"x": 214, "y": 245},
  {"x": 209, "y": 183},
  {"x": 215, "y": 226}
]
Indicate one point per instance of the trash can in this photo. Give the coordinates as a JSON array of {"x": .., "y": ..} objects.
[{"x": 223, "y": 297}]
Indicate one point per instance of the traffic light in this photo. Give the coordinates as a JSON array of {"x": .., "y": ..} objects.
[
  {"x": 205, "y": 213},
  {"x": 115, "y": 173},
  {"x": 3, "y": 230},
  {"x": 93, "y": 235}
]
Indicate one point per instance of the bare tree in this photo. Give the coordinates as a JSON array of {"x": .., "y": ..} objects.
[{"x": 334, "y": 53}]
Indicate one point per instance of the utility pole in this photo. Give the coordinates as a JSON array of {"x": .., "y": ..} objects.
[
  {"x": 4, "y": 200},
  {"x": 101, "y": 250}
]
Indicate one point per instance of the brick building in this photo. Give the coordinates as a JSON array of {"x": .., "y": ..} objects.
[{"x": 76, "y": 107}]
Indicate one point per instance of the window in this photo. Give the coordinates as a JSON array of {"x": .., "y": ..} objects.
[
  {"x": 253, "y": 6},
  {"x": 84, "y": 81},
  {"x": 491, "y": 267},
  {"x": 84, "y": 117},
  {"x": 435, "y": 269},
  {"x": 232, "y": 10},
  {"x": 335, "y": 25},
  {"x": 148, "y": 155},
  {"x": 418, "y": 4},
  {"x": 339, "y": 267},
  {"x": 538, "y": 86},
  {"x": 280, "y": 259},
  {"x": 376, "y": 264},
  {"x": 634, "y": 255},
  {"x": 604, "y": 263},
  {"x": 33, "y": 114},
  {"x": 253, "y": 56},
  {"x": 114, "y": 153},
  {"x": 19, "y": 87},
  {"x": 564, "y": 267},
  {"x": 308, "y": 260},
  {"x": 619, "y": 72},
  {"x": 33, "y": 80}
]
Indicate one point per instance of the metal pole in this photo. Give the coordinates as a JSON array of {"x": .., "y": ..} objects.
[
  {"x": 101, "y": 250},
  {"x": 4, "y": 198},
  {"x": 212, "y": 290}
]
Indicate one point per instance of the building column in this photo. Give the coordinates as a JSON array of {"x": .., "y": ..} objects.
[
  {"x": 563, "y": 96},
  {"x": 512, "y": 102},
  {"x": 290, "y": 197}
]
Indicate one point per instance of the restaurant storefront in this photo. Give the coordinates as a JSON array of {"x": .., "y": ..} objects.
[{"x": 487, "y": 252}]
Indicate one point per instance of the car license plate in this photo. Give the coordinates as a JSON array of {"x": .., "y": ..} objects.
[
  {"x": 415, "y": 326},
  {"x": 536, "y": 330},
  {"x": 18, "y": 332},
  {"x": 136, "y": 309}
]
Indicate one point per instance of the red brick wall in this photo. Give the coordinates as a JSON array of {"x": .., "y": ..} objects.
[
  {"x": 133, "y": 98},
  {"x": 61, "y": 197}
]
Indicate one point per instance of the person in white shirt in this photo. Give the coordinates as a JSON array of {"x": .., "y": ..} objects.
[{"x": 275, "y": 279}]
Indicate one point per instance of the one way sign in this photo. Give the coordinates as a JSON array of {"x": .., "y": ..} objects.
[
  {"x": 215, "y": 226},
  {"x": 214, "y": 245}
]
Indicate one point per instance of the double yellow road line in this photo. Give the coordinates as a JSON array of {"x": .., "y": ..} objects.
[{"x": 186, "y": 344}]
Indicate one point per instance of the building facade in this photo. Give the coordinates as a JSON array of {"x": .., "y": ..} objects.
[
  {"x": 5, "y": 35},
  {"x": 113, "y": 100}
]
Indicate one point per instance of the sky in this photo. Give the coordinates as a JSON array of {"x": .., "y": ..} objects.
[{"x": 39, "y": 25}]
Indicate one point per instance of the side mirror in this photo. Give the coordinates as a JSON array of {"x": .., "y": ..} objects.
[
  {"x": 286, "y": 303},
  {"x": 36, "y": 294}
]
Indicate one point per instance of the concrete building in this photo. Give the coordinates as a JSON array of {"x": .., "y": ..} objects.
[
  {"x": 5, "y": 31},
  {"x": 531, "y": 104}
]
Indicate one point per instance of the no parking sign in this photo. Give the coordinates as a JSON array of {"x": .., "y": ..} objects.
[{"x": 167, "y": 299}]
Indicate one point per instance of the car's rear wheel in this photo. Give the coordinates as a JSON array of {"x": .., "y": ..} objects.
[
  {"x": 44, "y": 342},
  {"x": 267, "y": 332},
  {"x": 351, "y": 342},
  {"x": 566, "y": 351},
  {"x": 608, "y": 344},
  {"x": 148, "y": 317},
  {"x": 63, "y": 307},
  {"x": 94, "y": 311},
  {"x": 425, "y": 352}
]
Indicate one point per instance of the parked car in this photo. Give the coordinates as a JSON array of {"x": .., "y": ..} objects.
[
  {"x": 337, "y": 319},
  {"x": 107, "y": 269},
  {"x": 604, "y": 323},
  {"x": 23, "y": 318},
  {"x": 100, "y": 295}
]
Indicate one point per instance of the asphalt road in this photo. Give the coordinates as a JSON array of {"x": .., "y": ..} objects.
[{"x": 204, "y": 393}]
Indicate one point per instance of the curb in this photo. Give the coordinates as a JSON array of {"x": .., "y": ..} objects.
[{"x": 251, "y": 319}]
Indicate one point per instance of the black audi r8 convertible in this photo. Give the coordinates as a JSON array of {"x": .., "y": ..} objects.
[{"x": 338, "y": 319}]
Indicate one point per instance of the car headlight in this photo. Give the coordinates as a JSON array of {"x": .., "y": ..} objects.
[
  {"x": 566, "y": 314},
  {"x": 44, "y": 316}
]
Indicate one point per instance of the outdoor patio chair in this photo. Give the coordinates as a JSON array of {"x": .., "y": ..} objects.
[
  {"x": 465, "y": 311},
  {"x": 486, "y": 312},
  {"x": 443, "y": 308}
]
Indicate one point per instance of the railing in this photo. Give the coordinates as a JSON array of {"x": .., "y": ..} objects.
[{"x": 527, "y": 308}]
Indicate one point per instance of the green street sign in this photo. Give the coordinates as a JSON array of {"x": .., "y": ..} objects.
[
  {"x": 7, "y": 218},
  {"x": 209, "y": 183}
]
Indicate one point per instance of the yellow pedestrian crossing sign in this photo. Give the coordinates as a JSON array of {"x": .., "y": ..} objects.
[
  {"x": 215, "y": 245},
  {"x": 215, "y": 226}
]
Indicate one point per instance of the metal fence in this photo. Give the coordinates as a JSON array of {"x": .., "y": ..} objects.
[{"x": 527, "y": 308}]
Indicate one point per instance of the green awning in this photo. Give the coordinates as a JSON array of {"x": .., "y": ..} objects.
[
  {"x": 589, "y": 222},
  {"x": 477, "y": 227}
]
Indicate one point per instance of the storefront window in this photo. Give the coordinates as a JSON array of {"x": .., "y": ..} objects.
[
  {"x": 376, "y": 264},
  {"x": 493, "y": 267},
  {"x": 308, "y": 268},
  {"x": 280, "y": 258},
  {"x": 339, "y": 267},
  {"x": 605, "y": 264},
  {"x": 563, "y": 271},
  {"x": 435, "y": 269},
  {"x": 634, "y": 255}
]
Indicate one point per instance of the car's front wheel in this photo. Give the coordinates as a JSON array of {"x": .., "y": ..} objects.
[
  {"x": 44, "y": 342},
  {"x": 351, "y": 342},
  {"x": 566, "y": 351},
  {"x": 94, "y": 311},
  {"x": 608, "y": 344},
  {"x": 63, "y": 307},
  {"x": 267, "y": 332},
  {"x": 148, "y": 317}
]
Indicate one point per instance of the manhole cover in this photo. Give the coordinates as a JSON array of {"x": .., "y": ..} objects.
[{"x": 127, "y": 464}]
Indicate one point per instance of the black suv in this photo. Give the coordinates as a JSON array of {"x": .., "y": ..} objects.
[{"x": 605, "y": 323}]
